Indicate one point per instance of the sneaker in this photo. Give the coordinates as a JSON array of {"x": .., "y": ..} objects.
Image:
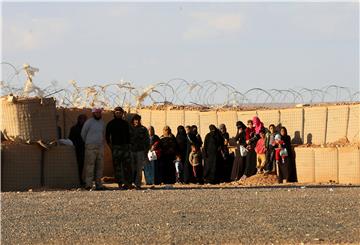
[{"x": 243, "y": 178}]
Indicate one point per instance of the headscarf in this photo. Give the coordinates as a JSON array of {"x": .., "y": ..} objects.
[
  {"x": 258, "y": 125},
  {"x": 240, "y": 124},
  {"x": 96, "y": 109}
]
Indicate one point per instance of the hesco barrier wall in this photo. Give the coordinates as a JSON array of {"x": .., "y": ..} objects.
[
  {"x": 60, "y": 168},
  {"x": 354, "y": 123},
  {"x": 349, "y": 165},
  {"x": 293, "y": 120},
  {"x": 20, "y": 167},
  {"x": 317, "y": 125},
  {"x": 337, "y": 123},
  {"x": 326, "y": 165},
  {"x": 305, "y": 164},
  {"x": 30, "y": 119}
]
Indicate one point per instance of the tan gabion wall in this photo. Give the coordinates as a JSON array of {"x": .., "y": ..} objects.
[
  {"x": 229, "y": 118},
  {"x": 293, "y": 120},
  {"x": 353, "y": 132},
  {"x": 207, "y": 118},
  {"x": 315, "y": 125},
  {"x": 31, "y": 119},
  {"x": 20, "y": 167},
  {"x": 336, "y": 123},
  {"x": 174, "y": 118},
  {"x": 269, "y": 117},
  {"x": 305, "y": 164},
  {"x": 60, "y": 168},
  {"x": 244, "y": 116},
  {"x": 326, "y": 165},
  {"x": 318, "y": 125},
  {"x": 192, "y": 118},
  {"x": 70, "y": 118},
  {"x": 158, "y": 121},
  {"x": 349, "y": 165},
  {"x": 145, "y": 117}
]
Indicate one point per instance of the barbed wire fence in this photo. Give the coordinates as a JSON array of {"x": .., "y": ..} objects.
[{"x": 177, "y": 92}]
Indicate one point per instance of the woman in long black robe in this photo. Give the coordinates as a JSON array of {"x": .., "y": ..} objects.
[
  {"x": 212, "y": 147},
  {"x": 228, "y": 159},
  {"x": 292, "y": 176},
  {"x": 168, "y": 154},
  {"x": 239, "y": 161},
  {"x": 181, "y": 140},
  {"x": 192, "y": 139}
]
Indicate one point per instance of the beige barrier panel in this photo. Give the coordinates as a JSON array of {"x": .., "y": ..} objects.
[
  {"x": 337, "y": 123},
  {"x": 293, "y": 120},
  {"x": 269, "y": 117},
  {"x": 229, "y": 118},
  {"x": 107, "y": 116},
  {"x": 174, "y": 118},
  {"x": 305, "y": 164},
  {"x": 192, "y": 118},
  {"x": 244, "y": 116},
  {"x": 315, "y": 125},
  {"x": 349, "y": 165},
  {"x": 158, "y": 121},
  {"x": 353, "y": 132},
  {"x": 29, "y": 119},
  {"x": 21, "y": 167},
  {"x": 145, "y": 117},
  {"x": 60, "y": 114},
  {"x": 108, "y": 163},
  {"x": 326, "y": 165},
  {"x": 207, "y": 118},
  {"x": 70, "y": 118},
  {"x": 60, "y": 167}
]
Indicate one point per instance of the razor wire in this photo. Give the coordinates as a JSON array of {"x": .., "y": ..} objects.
[{"x": 176, "y": 92}]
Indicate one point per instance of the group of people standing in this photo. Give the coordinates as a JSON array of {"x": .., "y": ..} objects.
[{"x": 184, "y": 158}]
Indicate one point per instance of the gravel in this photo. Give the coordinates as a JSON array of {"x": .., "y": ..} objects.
[{"x": 193, "y": 215}]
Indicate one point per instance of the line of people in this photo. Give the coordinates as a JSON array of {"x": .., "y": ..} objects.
[{"x": 184, "y": 158}]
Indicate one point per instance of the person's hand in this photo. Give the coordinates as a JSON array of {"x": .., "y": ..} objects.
[{"x": 248, "y": 141}]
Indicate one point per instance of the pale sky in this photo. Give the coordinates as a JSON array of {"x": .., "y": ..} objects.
[{"x": 268, "y": 45}]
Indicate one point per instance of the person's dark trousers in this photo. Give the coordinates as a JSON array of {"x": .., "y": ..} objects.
[
  {"x": 270, "y": 153},
  {"x": 122, "y": 158},
  {"x": 157, "y": 172},
  {"x": 80, "y": 157}
]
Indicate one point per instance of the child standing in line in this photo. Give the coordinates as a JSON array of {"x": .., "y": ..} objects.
[
  {"x": 260, "y": 152},
  {"x": 179, "y": 169},
  {"x": 269, "y": 145},
  {"x": 195, "y": 159},
  {"x": 280, "y": 158}
]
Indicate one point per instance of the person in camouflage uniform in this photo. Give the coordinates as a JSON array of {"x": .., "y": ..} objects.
[
  {"x": 140, "y": 144},
  {"x": 118, "y": 138}
]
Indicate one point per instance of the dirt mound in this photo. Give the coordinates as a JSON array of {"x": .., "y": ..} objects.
[{"x": 260, "y": 179}]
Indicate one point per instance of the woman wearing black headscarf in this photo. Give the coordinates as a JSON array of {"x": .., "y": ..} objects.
[
  {"x": 169, "y": 150},
  {"x": 181, "y": 140},
  {"x": 290, "y": 158},
  {"x": 212, "y": 151},
  {"x": 239, "y": 162},
  {"x": 228, "y": 159}
]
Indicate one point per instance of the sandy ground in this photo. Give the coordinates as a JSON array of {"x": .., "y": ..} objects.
[{"x": 184, "y": 215}]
